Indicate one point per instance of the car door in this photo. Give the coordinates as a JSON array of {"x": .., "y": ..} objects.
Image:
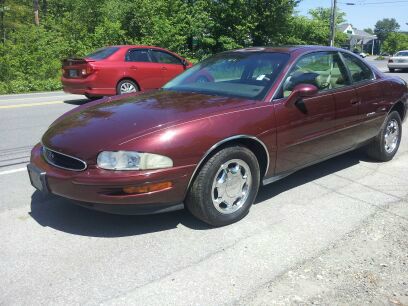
[
  {"x": 371, "y": 93},
  {"x": 347, "y": 103},
  {"x": 304, "y": 130},
  {"x": 170, "y": 65},
  {"x": 139, "y": 67}
]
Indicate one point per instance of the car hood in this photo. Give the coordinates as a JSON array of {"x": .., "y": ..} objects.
[{"x": 105, "y": 124}]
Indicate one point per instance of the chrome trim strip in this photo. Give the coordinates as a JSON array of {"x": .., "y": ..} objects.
[
  {"x": 222, "y": 142},
  {"x": 51, "y": 163},
  {"x": 276, "y": 178}
]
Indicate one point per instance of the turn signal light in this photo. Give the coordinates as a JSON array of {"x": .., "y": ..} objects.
[{"x": 147, "y": 188}]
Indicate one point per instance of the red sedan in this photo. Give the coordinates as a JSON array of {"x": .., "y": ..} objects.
[
  {"x": 259, "y": 115},
  {"x": 117, "y": 70}
]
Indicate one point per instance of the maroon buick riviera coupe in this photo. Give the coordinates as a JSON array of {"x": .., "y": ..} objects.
[{"x": 259, "y": 115}]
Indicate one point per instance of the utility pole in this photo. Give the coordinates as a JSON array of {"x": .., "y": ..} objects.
[{"x": 333, "y": 24}]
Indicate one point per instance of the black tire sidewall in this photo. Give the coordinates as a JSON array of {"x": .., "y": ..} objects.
[{"x": 213, "y": 215}]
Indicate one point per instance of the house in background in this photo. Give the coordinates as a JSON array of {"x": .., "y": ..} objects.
[{"x": 360, "y": 40}]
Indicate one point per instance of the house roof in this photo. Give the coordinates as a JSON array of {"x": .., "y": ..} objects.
[
  {"x": 343, "y": 27},
  {"x": 360, "y": 34}
]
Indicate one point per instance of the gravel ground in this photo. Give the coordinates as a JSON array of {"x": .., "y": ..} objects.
[{"x": 367, "y": 266}]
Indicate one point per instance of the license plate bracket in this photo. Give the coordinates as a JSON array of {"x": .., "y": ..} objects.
[{"x": 37, "y": 178}]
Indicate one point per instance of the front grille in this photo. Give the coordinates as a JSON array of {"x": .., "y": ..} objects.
[{"x": 63, "y": 161}]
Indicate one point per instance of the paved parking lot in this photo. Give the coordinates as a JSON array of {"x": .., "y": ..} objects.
[{"x": 333, "y": 233}]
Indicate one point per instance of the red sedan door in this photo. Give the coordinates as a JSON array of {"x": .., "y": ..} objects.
[
  {"x": 140, "y": 67},
  {"x": 305, "y": 131},
  {"x": 170, "y": 65}
]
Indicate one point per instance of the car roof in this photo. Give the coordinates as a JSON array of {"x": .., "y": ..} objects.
[
  {"x": 289, "y": 49},
  {"x": 138, "y": 46}
]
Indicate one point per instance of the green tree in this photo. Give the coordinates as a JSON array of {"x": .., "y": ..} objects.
[
  {"x": 30, "y": 58},
  {"x": 384, "y": 27},
  {"x": 369, "y": 31},
  {"x": 314, "y": 30},
  {"x": 324, "y": 15},
  {"x": 396, "y": 42}
]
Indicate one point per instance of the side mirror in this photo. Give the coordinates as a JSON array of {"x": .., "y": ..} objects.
[
  {"x": 301, "y": 91},
  {"x": 184, "y": 62}
]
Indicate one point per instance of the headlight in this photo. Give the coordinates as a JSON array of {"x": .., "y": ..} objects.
[{"x": 127, "y": 160}]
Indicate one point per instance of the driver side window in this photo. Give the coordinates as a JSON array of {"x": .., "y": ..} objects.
[{"x": 323, "y": 70}]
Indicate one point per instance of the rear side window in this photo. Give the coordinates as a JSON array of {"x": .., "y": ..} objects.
[
  {"x": 358, "y": 70},
  {"x": 138, "y": 55},
  {"x": 102, "y": 53},
  {"x": 165, "y": 58}
]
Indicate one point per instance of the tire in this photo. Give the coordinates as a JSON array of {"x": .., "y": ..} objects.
[
  {"x": 126, "y": 86},
  {"x": 391, "y": 70},
  {"x": 225, "y": 173},
  {"x": 379, "y": 149}
]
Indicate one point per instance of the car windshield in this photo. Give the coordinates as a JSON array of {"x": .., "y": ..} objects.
[
  {"x": 235, "y": 74},
  {"x": 402, "y": 53},
  {"x": 102, "y": 53}
]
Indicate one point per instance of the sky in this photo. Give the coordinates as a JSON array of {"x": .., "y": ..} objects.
[{"x": 366, "y": 12}]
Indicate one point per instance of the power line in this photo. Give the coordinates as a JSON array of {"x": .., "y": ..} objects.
[{"x": 375, "y": 3}]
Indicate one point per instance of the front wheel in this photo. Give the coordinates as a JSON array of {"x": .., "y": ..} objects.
[
  {"x": 391, "y": 70},
  {"x": 386, "y": 144},
  {"x": 225, "y": 188}
]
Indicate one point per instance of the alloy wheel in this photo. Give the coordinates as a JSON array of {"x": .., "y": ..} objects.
[
  {"x": 127, "y": 87},
  {"x": 231, "y": 186},
  {"x": 391, "y": 136}
]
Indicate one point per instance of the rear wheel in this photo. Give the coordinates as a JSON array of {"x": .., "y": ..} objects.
[
  {"x": 126, "y": 86},
  {"x": 386, "y": 144},
  {"x": 225, "y": 188}
]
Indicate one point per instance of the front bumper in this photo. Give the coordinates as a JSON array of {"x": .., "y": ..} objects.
[
  {"x": 398, "y": 65},
  {"x": 101, "y": 189}
]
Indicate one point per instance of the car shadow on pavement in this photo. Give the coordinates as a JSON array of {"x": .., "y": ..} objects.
[
  {"x": 63, "y": 215},
  {"x": 77, "y": 101},
  {"x": 312, "y": 173}
]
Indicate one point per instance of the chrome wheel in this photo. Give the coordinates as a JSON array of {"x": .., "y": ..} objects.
[
  {"x": 231, "y": 186},
  {"x": 127, "y": 87},
  {"x": 391, "y": 136}
]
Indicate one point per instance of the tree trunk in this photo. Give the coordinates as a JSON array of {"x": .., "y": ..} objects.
[
  {"x": 36, "y": 12},
  {"x": 3, "y": 30}
]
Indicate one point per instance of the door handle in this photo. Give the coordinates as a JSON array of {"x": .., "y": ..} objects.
[
  {"x": 133, "y": 67},
  {"x": 355, "y": 101},
  {"x": 163, "y": 68}
]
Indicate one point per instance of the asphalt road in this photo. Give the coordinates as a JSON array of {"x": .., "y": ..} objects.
[{"x": 333, "y": 233}]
